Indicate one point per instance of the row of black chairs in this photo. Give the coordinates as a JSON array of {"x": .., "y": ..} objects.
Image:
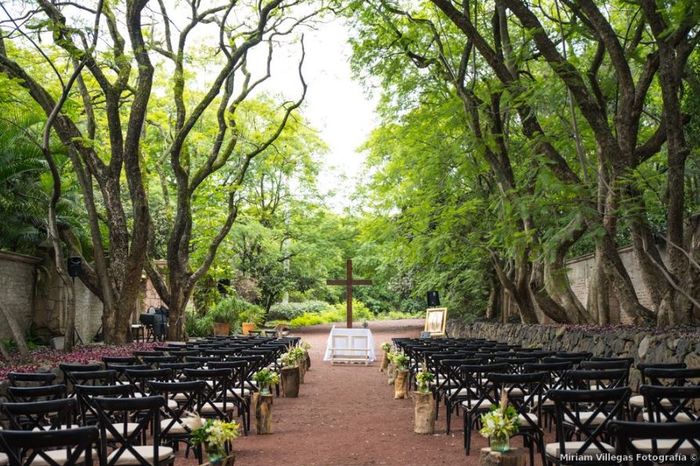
[
  {"x": 587, "y": 397},
  {"x": 140, "y": 405}
]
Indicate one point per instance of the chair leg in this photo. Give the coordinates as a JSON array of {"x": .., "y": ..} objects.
[
  {"x": 468, "y": 431},
  {"x": 448, "y": 414}
]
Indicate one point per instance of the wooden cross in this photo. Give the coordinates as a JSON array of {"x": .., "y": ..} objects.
[{"x": 348, "y": 283}]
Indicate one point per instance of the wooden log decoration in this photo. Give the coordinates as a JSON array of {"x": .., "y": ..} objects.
[
  {"x": 424, "y": 413},
  {"x": 391, "y": 374},
  {"x": 290, "y": 381},
  {"x": 385, "y": 362},
  {"x": 513, "y": 457},
  {"x": 401, "y": 385},
  {"x": 302, "y": 370},
  {"x": 263, "y": 413},
  {"x": 308, "y": 360}
]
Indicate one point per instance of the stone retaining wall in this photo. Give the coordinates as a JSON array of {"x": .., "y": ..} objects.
[{"x": 644, "y": 345}]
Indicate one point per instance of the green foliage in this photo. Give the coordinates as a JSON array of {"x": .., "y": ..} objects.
[
  {"x": 289, "y": 311},
  {"x": 198, "y": 326}
]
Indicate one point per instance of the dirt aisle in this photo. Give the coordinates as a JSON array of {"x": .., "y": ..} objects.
[{"x": 347, "y": 416}]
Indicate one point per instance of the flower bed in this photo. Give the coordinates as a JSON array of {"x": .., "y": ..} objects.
[{"x": 49, "y": 359}]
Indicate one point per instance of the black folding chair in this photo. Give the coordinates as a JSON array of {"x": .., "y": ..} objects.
[
  {"x": 601, "y": 407},
  {"x": 176, "y": 426},
  {"x": 524, "y": 392},
  {"x": 675, "y": 442},
  {"x": 671, "y": 404},
  {"x": 69, "y": 447},
  {"x": 128, "y": 449}
]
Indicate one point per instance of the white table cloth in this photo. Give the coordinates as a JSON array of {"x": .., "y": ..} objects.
[{"x": 350, "y": 344}]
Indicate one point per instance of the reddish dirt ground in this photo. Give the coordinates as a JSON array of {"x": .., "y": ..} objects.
[{"x": 346, "y": 415}]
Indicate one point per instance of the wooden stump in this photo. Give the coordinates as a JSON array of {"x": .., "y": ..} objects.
[
  {"x": 263, "y": 413},
  {"x": 308, "y": 361},
  {"x": 385, "y": 362},
  {"x": 391, "y": 373},
  {"x": 513, "y": 457},
  {"x": 424, "y": 413},
  {"x": 401, "y": 385},
  {"x": 302, "y": 370},
  {"x": 290, "y": 381}
]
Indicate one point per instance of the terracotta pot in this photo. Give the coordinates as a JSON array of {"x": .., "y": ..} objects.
[
  {"x": 424, "y": 413},
  {"x": 290, "y": 381},
  {"x": 401, "y": 385},
  {"x": 247, "y": 327},
  {"x": 222, "y": 329}
]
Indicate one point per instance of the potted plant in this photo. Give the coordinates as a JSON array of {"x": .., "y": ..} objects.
[
  {"x": 400, "y": 361},
  {"x": 250, "y": 317},
  {"x": 215, "y": 436},
  {"x": 224, "y": 316},
  {"x": 265, "y": 379},
  {"x": 386, "y": 348},
  {"x": 306, "y": 346},
  {"x": 423, "y": 404},
  {"x": 499, "y": 424}
]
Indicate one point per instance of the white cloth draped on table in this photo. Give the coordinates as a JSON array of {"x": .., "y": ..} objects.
[{"x": 350, "y": 344}]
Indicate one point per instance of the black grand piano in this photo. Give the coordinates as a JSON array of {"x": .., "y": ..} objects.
[{"x": 155, "y": 320}]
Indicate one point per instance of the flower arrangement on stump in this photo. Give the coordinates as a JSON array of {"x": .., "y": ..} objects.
[
  {"x": 291, "y": 373},
  {"x": 499, "y": 424},
  {"x": 306, "y": 346},
  {"x": 265, "y": 379},
  {"x": 216, "y": 437},
  {"x": 400, "y": 362},
  {"x": 424, "y": 406},
  {"x": 386, "y": 348}
]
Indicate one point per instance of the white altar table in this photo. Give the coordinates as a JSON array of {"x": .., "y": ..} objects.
[{"x": 350, "y": 345}]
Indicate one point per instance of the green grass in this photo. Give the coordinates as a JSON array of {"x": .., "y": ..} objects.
[{"x": 337, "y": 314}]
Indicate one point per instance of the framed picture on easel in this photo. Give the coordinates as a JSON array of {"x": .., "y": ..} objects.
[{"x": 435, "y": 321}]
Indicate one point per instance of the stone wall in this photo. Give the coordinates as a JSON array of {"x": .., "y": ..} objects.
[
  {"x": 644, "y": 345},
  {"x": 17, "y": 275},
  {"x": 33, "y": 293}
]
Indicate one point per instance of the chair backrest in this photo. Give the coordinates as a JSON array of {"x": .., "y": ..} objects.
[
  {"x": 601, "y": 407},
  {"x": 69, "y": 369},
  {"x": 40, "y": 415},
  {"x": 30, "y": 379},
  {"x": 524, "y": 392},
  {"x": 115, "y": 415},
  {"x": 121, "y": 360},
  {"x": 86, "y": 393},
  {"x": 189, "y": 399},
  {"x": 216, "y": 395},
  {"x": 607, "y": 364},
  {"x": 673, "y": 440},
  {"x": 99, "y": 377},
  {"x": 671, "y": 404},
  {"x": 156, "y": 361},
  {"x": 25, "y": 448},
  {"x": 642, "y": 367},
  {"x": 472, "y": 377},
  {"x": 602, "y": 379},
  {"x": 41, "y": 393},
  {"x": 677, "y": 377},
  {"x": 139, "y": 377}
]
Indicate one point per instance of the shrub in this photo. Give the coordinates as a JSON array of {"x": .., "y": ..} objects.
[
  {"x": 289, "y": 311},
  {"x": 198, "y": 326}
]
